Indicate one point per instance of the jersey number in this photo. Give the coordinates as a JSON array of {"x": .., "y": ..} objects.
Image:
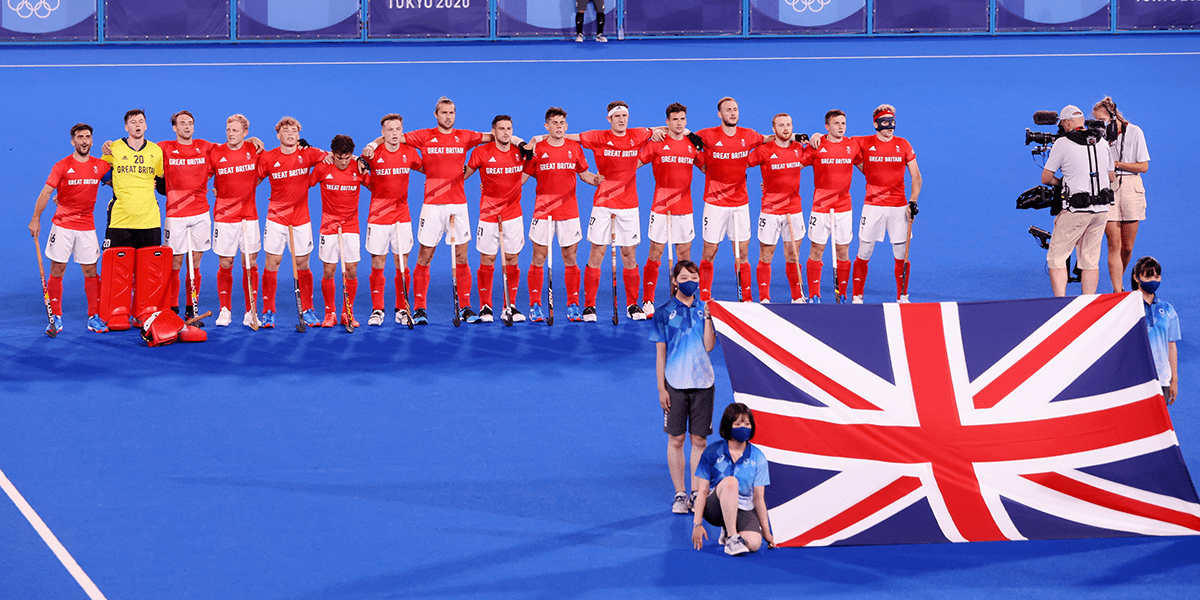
[{"x": 139, "y": 160}]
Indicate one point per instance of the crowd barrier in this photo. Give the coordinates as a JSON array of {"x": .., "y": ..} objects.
[{"x": 231, "y": 21}]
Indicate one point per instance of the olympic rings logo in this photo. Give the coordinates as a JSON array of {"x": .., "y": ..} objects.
[
  {"x": 25, "y": 9},
  {"x": 809, "y": 5}
]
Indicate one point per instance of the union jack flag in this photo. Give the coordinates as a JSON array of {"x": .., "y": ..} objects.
[{"x": 957, "y": 422}]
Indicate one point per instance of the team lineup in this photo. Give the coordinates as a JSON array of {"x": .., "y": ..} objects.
[{"x": 141, "y": 271}]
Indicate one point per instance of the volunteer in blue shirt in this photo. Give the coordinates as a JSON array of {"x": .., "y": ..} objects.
[
  {"x": 683, "y": 335},
  {"x": 1162, "y": 322},
  {"x": 736, "y": 471}
]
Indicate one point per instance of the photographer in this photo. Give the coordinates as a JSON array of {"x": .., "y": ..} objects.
[
  {"x": 1131, "y": 160},
  {"x": 1087, "y": 168}
]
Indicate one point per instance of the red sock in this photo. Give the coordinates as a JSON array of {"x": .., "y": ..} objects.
[
  {"x": 572, "y": 277},
  {"x": 537, "y": 276},
  {"x": 376, "y": 282},
  {"x": 401, "y": 284},
  {"x": 706, "y": 278},
  {"x": 349, "y": 291},
  {"x": 633, "y": 280},
  {"x": 329, "y": 293},
  {"x": 54, "y": 288},
  {"x": 191, "y": 288},
  {"x": 514, "y": 280},
  {"x": 91, "y": 285},
  {"x": 764, "y": 280},
  {"x": 420, "y": 285},
  {"x": 747, "y": 285},
  {"x": 270, "y": 282},
  {"x": 814, "y": 278},
  {"x": 483, "y": 278},
  {"x": 843, "y": 276},
  {"x": 591, "y": 285},
  {"x": 250, "y": 285},
  {"x": 860, "y": 276},
  {"x": 462, "y": 273},
  {"x": 173, "y": 289},
  {"x": 793, "y": 277},
  {"x": 225, "y": 287},
  {"x": 901, "y": 280},
  {"x": 305, "y": 279},
  {"x": 650, "y": 279}
]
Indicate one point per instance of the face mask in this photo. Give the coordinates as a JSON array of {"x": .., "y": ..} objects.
[
  {"x": 885, "y": 123},
  {"x": 1149, "y": 286},
  {"x": 689, "y": 288},
  {"x": 740, "y": 434}
]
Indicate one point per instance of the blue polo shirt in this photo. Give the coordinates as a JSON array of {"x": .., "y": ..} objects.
[
  {"x": 750, "y": 470},
  {"x": 1163, "y": 325},
  {"x": 681, "y": 328}
]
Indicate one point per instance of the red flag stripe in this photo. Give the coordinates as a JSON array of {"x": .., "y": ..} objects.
[
  {"x": 1055, "y": 343},
  {"x": 865, "y": 508},
  {"x": 1100, "y": 497},
  {"x": 790, "y": 361}
]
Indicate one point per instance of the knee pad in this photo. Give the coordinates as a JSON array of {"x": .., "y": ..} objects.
[
  {"x": 865, "y": 249},
  {"x": 150, "y": 283},
  {"x": 898, "y": 250},
  {"x": 116, "y": 287}
]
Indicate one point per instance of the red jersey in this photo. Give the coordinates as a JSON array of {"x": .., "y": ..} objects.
[
  {"x": 289, "y": 183},
  {"x": 339, "y": 196},
  {"x": 884, "y": 165},
  {"x": 76, "y": 184},
  {"x": 726, "y": 159},
  {"x": 500, "y": 175},
  {"x": 235, "y": 177},
  {"x": 672, "y": 161},
  {"x": 833, "y": 168},
  {"x": 388, "y": 183},
  {"x": 616, "y": 159},
  {"x": 185, "y": 167},
  {"x": 555, "y": 169},
  {"x": 780, "y": 176},
  {"x": 444, "y": 155}
]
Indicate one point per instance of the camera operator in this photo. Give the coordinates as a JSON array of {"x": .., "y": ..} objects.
[
  {"x": 1131, "y": 160},
  {"x": 1087, "y": 168}
]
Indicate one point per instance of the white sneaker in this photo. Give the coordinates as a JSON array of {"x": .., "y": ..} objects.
[
  {"x": 401, "y": 316},
  {"x": 376, "y": 318},
  {"x": 249, "y": 318},
  {"x": 648, "y": 308},
  {"x": 225, "y": 318},
  {"x": 857, "y": 299},
  {"x": 799, "y": 300},
  {"x": 679, "y": 505},
  {"x": 903, "y": 299},
  {"x": 764, "y": 301},
  {"x": 601, "y": 38},
  {"x": 734, "y": 546},
  {"x": 579, "y": 38}
]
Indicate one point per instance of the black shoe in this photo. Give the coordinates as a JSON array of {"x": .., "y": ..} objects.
[
  {"x": 468, "y": 316},
  {"x": 189, "y": 314},
  {"x": 419, "y": 317},
  {"x": 485, "y": 314}
]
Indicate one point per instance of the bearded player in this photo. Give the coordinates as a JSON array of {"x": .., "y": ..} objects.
[
  {"x": 833, "y": 169},
  {"x": 501, "y": 173},
  {"x": 671, "y": 160},
  {"x": 76, "y": 180},
  {"x": 339, "y": 181},
  {"x": 780, "y": 161},
  {"x": 234, "y": 169},
  {"x": 389, "y": 223}
]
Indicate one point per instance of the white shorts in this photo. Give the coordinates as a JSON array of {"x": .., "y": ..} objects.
[
  {"x": 487, "y": 237},
  {"x": 568, "y": 232},
  {"x": 396, "y": 238},
  {"x": 629, "y": 226},
  {"x": 198, "y": 227},
  {"x": 842, "y": 224},
  {"x": 331, "y": 250},
  {"x": 228, "y": 238},
  {"x": 275, "y": 238},
  {"x": 877, "y": 220},
  {"x": 683, "y": 229},
  {"x": 772, "y": 227},
  {"x": 435, "y": 222},
  {"x": 64, "y": 243},
  {"x": 720, "y": 221}
]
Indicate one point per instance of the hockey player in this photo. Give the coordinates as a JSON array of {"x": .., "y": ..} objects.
[{"x": 780, "y": 161}]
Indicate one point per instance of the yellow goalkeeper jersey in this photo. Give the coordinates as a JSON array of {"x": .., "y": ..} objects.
[{"x": 133, "y": 173}]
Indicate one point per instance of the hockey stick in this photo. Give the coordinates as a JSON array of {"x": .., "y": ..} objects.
[
  {"x": 51, "y": 331},
  {"x": 670, "y": 257},
  {"x": 506, "y": 313},
  {"x": 301, "y": 326},
  {"x": 907, "y": 243},
  {"x": 737, "y": 258},
  {"x": 836, "y": 296},
  {"x": 403, "y": 262},
  {"x": 348, "y": 313},
  {"x": 454, "y": 271},
  {"x": 194, "y": 297},
  {"x": 613, "y": 226},
  {"x": 796, "y": 247},
  {"x": 246, "y": 277},
  {"x": 198, "y": 318},
  {"x": 550, "y": 274}
]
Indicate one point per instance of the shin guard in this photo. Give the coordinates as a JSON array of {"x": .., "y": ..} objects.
[
  {"x": 764, "y": 280},
  {"x": 633, "y": 280},
  {"x": 706, "y": 279},
  {"x": 650, "y": 279},
  {"x": 571, "y": 275},
  {"x": 152, "y": 280},
  {"x": 591, "y": 285},
  {"x": 116, "y": 287}
]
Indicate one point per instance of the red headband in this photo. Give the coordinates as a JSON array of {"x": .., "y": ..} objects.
[{"x": 886, "y": 113}]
